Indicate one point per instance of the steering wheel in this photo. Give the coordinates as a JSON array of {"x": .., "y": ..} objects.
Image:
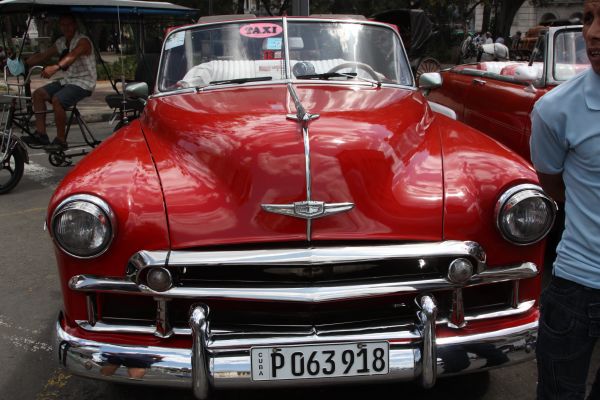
[{"x": 365, "y": 67}]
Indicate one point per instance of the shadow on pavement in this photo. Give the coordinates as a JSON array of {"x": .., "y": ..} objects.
[{"x": 467, "y": 387}]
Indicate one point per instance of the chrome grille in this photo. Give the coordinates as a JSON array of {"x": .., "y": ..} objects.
[
  {"x": 363, "y": 285},
  {"x": 380, "y": 271}
]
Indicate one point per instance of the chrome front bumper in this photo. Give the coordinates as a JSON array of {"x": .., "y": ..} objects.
[{"x": 223, "y": 362}]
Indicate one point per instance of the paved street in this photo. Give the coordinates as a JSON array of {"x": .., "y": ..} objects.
[{"x": 31, "y": 300}]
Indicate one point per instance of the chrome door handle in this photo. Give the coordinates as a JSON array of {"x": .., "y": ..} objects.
[{"x": 479, "y": 82}]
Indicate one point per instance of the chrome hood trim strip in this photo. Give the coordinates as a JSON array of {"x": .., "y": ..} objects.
[
  {"x": 303, "y": 118},
  {"x": 307, "y": 209}
]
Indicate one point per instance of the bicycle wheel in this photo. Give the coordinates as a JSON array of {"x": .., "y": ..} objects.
[{"x": 11, "y": 170}]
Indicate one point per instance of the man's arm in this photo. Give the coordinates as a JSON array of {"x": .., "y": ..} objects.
[
  {"x": 83, "y": 47},
  {"x": 553, "y": 185},
  {"x": 549, "y": 149},
  {"x": 39, "y": 58}
]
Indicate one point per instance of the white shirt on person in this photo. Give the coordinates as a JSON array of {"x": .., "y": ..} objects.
[{"x": 83, "y": 70}]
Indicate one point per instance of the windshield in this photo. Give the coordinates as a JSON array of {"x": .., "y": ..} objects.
[
  {"x": 256, "y": 50},
  {"x": 570, "y": 57}
]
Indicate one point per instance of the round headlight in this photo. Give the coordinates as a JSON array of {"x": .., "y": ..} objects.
[
  {"x": 525, "y": 214},
  {"x": 83, "y": 226}
]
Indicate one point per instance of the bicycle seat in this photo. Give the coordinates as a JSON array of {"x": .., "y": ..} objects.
[{"x": 116, "y": 101}]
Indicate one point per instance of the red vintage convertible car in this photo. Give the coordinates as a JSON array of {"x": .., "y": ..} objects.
[
  {"x": 497, "y": 97},
  {"x": 288, "y": 210}
]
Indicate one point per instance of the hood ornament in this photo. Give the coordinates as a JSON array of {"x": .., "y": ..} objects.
[{"x": 308, "y": 209}]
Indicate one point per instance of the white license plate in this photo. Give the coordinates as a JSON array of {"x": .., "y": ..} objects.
[{"x": 320, "y": 361}]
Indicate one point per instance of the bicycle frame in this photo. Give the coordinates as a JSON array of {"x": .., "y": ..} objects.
[
  {"x": 11, "y": 147},
  {"x": 22, "y": 108},
  {"x": 22, "y": 113},
  {"x": 10, "y": 114},
  {"x": 8, "y": 141}
]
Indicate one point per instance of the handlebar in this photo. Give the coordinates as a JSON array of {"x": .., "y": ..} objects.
[
  {"x": 34, "y": 68},
  {"x": 20, "y": 85},
  {"x": 28, "y": 77},
  {"x": 27, "y": 80}
]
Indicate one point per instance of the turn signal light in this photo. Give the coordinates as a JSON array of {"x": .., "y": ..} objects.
[
  {"x": 460, "y": 271},
  {"x": 159, "y": 279}
]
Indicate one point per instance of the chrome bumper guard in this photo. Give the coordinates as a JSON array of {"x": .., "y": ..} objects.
[{"x": 222, "y": 363}]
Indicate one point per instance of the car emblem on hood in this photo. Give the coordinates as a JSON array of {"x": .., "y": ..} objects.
[{"x": 308, "y": 209}]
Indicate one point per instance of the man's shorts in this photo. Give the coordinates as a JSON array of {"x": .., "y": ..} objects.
[{"x": 68, "y": 95}]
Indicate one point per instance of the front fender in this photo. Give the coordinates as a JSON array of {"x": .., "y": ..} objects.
[
  {"x": 16, "y": 142},
  {"x": 121, "y": 172},
  {"x": 477, "y": 170}
]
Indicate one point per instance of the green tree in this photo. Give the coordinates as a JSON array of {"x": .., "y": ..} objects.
[
  {"x": 442, "y": 11},
  {"x": 505, "y": 14}
]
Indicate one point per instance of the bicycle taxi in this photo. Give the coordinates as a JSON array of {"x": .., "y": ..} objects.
[{"x": 138, "y": 27}]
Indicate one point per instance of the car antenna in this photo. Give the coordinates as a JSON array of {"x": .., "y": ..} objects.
[{"x": 124, "y": 119}]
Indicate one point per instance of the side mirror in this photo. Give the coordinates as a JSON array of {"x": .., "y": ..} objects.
[
  {"x": 429, "y": 81},
  {"x": 137, "y": 90}
]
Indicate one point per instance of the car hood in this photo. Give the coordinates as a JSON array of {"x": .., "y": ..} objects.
[{"x": 222, "y": 154}]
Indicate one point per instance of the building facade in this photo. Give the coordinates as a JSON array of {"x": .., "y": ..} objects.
[{"x": 530, "y": 15}]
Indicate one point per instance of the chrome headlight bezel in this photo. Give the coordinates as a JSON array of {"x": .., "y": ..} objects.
[
  {"x": 90, "y": 204},
  {"x": 511, "y": 198}
]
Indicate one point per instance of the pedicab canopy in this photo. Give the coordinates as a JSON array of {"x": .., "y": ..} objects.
[
  {"x": 137, "y": 13},
  {"x": 124, "y": 7}
]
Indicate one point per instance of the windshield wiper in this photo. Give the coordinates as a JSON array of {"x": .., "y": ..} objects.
[
  {"x": 360, "y": 78},
  {"x": 241, "y": 80},
  {"x": 327, "y": 75}
]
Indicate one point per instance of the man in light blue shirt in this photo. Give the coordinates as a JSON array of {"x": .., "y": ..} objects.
[{"x": 565, "y": 151}]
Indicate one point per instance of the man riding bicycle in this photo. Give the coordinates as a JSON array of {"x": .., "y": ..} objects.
[{"x": 78, "y": 62}]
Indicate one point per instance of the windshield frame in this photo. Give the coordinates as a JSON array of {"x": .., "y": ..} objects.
[
  {"x": 549, "y": 59},
  {"x": 555, "y": 48},
  {"x": 289, "y": 77}
]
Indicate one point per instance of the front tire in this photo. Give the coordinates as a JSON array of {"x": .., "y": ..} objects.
[{"x": 11, "y": 170}]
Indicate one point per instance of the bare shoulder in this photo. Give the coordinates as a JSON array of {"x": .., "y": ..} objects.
[{"x": 84, "y": 45}]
